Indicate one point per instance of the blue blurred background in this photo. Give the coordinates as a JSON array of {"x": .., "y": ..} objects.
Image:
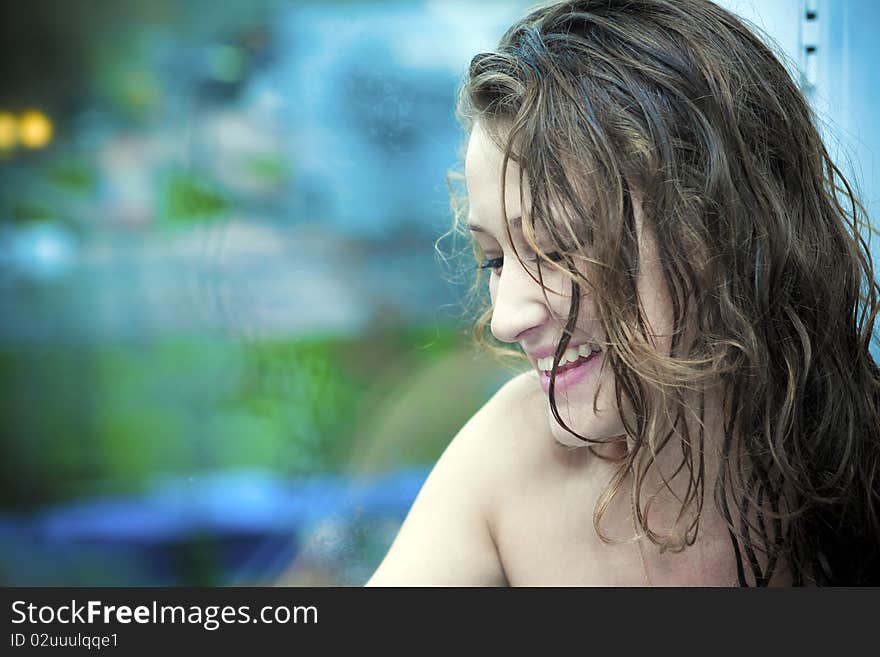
[{"x": 230, "y": 352}]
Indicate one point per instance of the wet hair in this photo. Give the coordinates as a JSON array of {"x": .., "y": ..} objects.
[{"x": 677, "y": 105}]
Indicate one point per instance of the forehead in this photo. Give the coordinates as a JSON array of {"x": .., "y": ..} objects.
[
  {"x": 484, "y": 157},
  {"x": 483, "y": 176}
]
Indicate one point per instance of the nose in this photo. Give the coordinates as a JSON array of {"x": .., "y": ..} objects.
[{"x": 518, "y": 302}]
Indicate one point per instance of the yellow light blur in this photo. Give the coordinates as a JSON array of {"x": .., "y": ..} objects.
[
  {"x": 8, "y": 131},
  {"x": 34, "y": 129}
]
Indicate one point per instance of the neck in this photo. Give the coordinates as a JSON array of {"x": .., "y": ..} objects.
[
  {"x": 668, "y": 481},
  {"x": 681, "y": 542}
]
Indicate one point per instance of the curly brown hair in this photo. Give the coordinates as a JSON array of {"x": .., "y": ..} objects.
[{"x": 678, "y": 105}]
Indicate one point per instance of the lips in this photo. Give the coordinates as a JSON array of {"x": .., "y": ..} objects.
[{"x": 572, "y": 373}]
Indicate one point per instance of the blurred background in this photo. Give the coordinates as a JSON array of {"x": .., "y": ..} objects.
[{"x": 229, "y": 350}]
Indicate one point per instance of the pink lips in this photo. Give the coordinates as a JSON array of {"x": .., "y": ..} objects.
[{"x": 571, "y": 374}]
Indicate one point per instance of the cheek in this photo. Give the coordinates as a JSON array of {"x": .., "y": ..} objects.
[
  {"x": 654, "y": 293},
  {"x": 657, "y": 305},
  {"x": 557, "y": 290}
]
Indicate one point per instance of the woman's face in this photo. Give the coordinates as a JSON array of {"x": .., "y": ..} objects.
[{"x": 533, "y": 317}]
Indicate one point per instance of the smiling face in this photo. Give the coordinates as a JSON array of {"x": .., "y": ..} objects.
[{"x": 525, "y": 313}]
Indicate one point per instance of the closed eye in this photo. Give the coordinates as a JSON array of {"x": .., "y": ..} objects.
[{"x": 494, "y": 264}]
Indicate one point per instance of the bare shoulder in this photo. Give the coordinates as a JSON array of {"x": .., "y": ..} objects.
[
  {"x": 514, "y": 425},
  {"x": 513, "y": 415},
  {"x": 522, "y": 388},
  {"x": 508, "y": 437},
  {"x": 447, "y": 538}
]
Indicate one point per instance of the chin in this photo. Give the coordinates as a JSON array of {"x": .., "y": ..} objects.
[
  {"x": 592, "y": 427},
  {"x": 564, "y": 437}
]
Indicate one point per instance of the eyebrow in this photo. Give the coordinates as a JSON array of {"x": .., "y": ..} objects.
[{"x": 514, "y": 223}]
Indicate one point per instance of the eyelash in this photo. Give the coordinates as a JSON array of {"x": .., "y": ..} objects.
[
  {"x": 496, "y": 263},
  {"x": 492, "y": 263}
]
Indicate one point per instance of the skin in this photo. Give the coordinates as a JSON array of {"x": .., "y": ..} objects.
[
  {"x": 523, "y": 313},
  {"x": 511, "y": 500}
]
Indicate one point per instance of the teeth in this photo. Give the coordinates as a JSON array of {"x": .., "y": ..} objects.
[
  {"x": 587, "y": 348},
  {"x": 571, "y": 355}
]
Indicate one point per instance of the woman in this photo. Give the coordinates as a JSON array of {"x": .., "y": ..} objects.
[{"x": 670, "y": 246}]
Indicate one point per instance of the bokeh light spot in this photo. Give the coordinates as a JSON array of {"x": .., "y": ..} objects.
[{"x": 34, "y": 129}]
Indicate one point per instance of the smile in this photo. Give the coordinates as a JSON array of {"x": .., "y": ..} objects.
[
  {"x": 571, "y": 355},
  {"x": 570, "y": 372}
]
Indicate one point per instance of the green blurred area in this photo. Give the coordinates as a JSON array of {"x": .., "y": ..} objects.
[
  {"x": 185, "y": 197},
  {"x": 171, "y": 161},
  {"x": 108, "y": 418}
]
